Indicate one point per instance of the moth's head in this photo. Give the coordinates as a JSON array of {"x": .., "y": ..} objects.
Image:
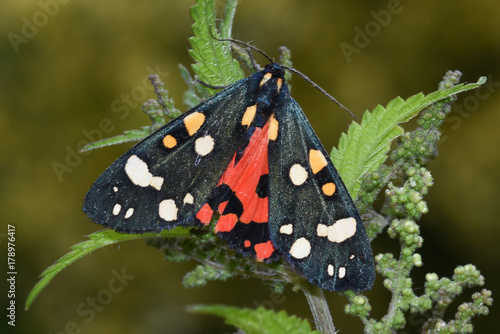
[{"x": 275, "y": 69}]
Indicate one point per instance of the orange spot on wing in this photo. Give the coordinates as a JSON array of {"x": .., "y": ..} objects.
[
  {"x": 317, "y": 161},
  {"x": 279, "y": 82},
  {"x": 169, "y": 141},
  {"x": 194, "y": 122},
  {"x": 273, "y": 128},
  {"x": 205, "y": 214},
  {"x": 264, "y": 250},
  {"x": 328, "y": 189},
  {"x": 247, "y": 243},
  {"x": 265, "y": 79},
  {"x": 249, "y": 115}
]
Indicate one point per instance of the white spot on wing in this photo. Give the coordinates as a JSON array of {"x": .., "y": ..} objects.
[
  {"x": 341, "y": 272},
  {"x": 129, "y": 213},
  {"x": 351, "y": 257},
  {"x": 167, "y": 210},
  {"x": 286, "y": 229},
  {"x": 204, "y": 145},
  {"x": 342, "y": 230},
  {"x": 116, "y": 209},
  {"x": 331, "y": 270},
  {"x": 300, "y": 248},
  {"x": 138, "y": 172},
  {"x": 298, "y": 174},
  {"x": 115, "y": 189},
  {"x": 188, "y": 199},
  {"x": 156, "y": 182},
  {"x": 322, "y": 230}
]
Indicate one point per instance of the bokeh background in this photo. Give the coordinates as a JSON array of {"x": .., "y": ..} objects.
[{"x": 85, "y": 62}]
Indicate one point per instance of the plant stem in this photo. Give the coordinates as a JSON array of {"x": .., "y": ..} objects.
[
  {"x": 396, "y": 296},
  {"x": 319, "y": 309},
  {"x": 226, "y": 27}
]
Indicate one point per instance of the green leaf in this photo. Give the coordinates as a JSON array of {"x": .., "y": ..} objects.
[
  {"x": 226, "y": 25},
  {"x": 191, "y": 96},
  {"x": 214, "y": 63},
  {"x": 97, "y": 240},
  {"x": 127, "y": 136},
  {"x": 365, "y": 146},
  {"x": 257, "y": 321},
  {"x": 204, "y": 273}
]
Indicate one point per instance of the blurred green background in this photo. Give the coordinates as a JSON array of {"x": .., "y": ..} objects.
[{"x": 83, "y": 62}]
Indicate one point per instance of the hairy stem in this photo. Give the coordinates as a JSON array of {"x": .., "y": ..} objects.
[
  {"x": 396, "y": 296},
  {"x": 319, "y": 309}
]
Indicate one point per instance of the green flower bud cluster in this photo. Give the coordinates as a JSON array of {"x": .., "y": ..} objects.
[
  {"x": 405, "y": 205},
  {"x": 358, "y": 306},
  {"x": 441, "y": 292},
  {"x": 408, "y": 200},
  {"x": 161, "y": 107}
]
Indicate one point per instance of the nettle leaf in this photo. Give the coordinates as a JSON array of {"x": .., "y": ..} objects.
[
  {"x": 96, "y": 240},
  {"x": 214, "y": 62},
  {"x": 257, "y": 321},
  {"x": 365, "y": 146},
  {"x": 126, "y": 137}
]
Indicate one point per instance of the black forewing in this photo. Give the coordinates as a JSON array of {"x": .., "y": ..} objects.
[
  {"x": 182, "y": 169},
  {"x": 306, "y": 206}
]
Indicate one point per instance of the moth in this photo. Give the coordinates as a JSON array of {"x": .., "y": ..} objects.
[{"x": 250, "y": 155}]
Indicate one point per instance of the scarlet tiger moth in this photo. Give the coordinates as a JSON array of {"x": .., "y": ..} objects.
[{"x": 250, "y": 154}]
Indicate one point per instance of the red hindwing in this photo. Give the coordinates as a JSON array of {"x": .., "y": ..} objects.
[{"x": 242, "y": 178}]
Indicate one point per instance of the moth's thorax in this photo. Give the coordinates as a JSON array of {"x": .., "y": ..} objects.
[{"x": 272, "y": 88}]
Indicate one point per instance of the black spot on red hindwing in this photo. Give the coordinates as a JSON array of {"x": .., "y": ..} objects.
[{"x": 263, "y": 186}]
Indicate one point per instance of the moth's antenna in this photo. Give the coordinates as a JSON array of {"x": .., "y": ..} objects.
[
  {"x": 247, "y": 45},
  {"x": 306, "y": 78}
]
